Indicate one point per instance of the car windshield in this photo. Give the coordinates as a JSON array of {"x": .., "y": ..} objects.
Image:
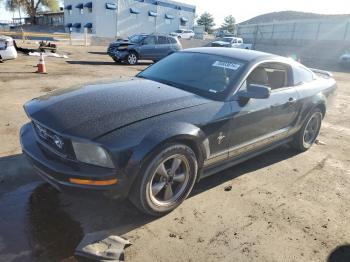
[
  {"x": 207, "y": 75},
  {"x": 227, "y": 40},
  {"x": 179, "y": 31},
  {"x": 136, "y": 38}
]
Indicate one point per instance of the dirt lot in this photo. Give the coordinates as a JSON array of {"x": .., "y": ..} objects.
[{"x": 282, "y": 207}]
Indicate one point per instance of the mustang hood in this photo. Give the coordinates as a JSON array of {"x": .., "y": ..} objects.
[{"x": 94, "y": 110}]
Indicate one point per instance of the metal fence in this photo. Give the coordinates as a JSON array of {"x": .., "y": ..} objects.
[{"x": 325, "y": 29}]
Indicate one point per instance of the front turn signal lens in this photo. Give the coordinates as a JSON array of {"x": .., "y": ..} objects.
[{"x": 87, "y": 182}]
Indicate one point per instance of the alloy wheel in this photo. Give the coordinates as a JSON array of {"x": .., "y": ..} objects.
[
  {"x": 132, "y": 59},
  {"x": 312, "y": 129},
  {"x": 169, "y": 181}
]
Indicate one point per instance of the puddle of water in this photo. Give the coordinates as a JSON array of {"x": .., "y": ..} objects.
[{"x": 34, "y": 226}]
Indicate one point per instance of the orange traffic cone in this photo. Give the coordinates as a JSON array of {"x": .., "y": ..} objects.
[{"x": 41, "y": 65}]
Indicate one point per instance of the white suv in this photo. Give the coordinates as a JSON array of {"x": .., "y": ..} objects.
[
  {"x": 7, "y": 48},
  {"x": 182, "y": 33}
]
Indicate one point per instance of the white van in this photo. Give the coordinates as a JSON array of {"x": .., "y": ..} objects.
[
  {"x": 7, "y": 48},
  {"x": 182, "y": 33}
]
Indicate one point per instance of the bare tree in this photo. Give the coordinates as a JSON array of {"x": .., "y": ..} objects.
[{"x": 31, "y": 7}]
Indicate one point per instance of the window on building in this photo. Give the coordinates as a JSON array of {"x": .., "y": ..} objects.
[
  {"x": 183, "y": 21},
  {"x": 152, "y": 19},
  {"x": 89, "y": 7},
  {"x": 70, "y": 11},
  {"x": 168, "y": 21},
  {"x": 81, "y": 11}
]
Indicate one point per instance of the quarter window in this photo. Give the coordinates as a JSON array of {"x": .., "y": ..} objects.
[
  {"x": 162, "y": 40},
  {"x": 302, "y": 75}
]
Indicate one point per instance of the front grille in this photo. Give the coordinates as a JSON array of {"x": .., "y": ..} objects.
[{"x": 56, "y": 143}]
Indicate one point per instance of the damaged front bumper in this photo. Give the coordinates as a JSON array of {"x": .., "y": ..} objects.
[
  {"x": 117, "y": 54},
  {"x": 61, "y": 172}
]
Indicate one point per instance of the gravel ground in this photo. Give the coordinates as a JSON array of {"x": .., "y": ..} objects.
[{"x": 282, "y": 206}]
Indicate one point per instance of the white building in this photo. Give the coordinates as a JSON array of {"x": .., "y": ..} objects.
[{"x": 111, "y": 18}]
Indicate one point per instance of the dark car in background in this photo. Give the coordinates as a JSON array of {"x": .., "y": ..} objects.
[
  {"x": 191, "y": 115},
  {"x": 143, "y": 47}
]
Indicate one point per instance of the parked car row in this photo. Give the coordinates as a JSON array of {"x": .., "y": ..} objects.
[{"x": 157, "y": 46}]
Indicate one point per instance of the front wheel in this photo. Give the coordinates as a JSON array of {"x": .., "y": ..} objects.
[
  {"x": 167, "y": 180},
  {"x": 132, "y": 58},
  {"x": 307, "y": 135}
]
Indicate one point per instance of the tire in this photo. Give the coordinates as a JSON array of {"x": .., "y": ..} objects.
[
  {"x": 158, "y": 189},
  {"x": 132, "y": 58},
  {"x": 307, "y": 135}
]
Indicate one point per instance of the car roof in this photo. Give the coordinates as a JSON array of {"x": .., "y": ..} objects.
[{"x": 241, "y": 54}]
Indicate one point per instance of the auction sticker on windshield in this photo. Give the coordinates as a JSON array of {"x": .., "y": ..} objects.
[{"x": 227, "y": 65}]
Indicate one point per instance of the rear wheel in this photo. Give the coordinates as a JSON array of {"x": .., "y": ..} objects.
[
  {"x": 166, "y": 180},
  {"x": 132, "y": 58},
  {"x": 307, "y": 135}
]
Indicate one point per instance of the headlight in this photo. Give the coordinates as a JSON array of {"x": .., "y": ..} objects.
[
  {"x": 121, "y": 48},
  {"x": 92, "y": 154}
]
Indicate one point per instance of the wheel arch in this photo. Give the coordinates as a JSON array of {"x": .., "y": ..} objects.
[{"x": 183, "y": 133}]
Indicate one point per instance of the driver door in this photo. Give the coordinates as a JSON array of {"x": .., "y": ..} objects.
[
  {"x": 148, "y": 47},
  {"x": 263, "y": 121}
]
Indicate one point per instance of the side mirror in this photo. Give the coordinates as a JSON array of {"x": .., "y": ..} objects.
[{"x": 255, "y": 92}]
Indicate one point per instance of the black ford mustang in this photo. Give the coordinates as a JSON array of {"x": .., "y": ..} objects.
[{"x": 188, "y": 116}]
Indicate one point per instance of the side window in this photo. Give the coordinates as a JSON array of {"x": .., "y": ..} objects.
[
  {"x": 302, "y": 75},
  {"x": 274, "y": 75},
  {"x": 150, "y": 40},
  {"x": 172, "y": 40},
  {"x": 162, "y": 40}
]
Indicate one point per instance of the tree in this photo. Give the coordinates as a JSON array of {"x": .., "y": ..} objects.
[
  {"x": 31, "y": 7},
  {"x": 206, "y": 20},
  {"x": 229, "y": 24}
]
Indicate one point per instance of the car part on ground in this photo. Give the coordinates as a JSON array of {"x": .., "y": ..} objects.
[
  {"x": 47, "y": 46},
  {"x": 143, "y": 47},
  {"x": 190, "y": 115},
  {"x": 101, "y": 246},
  {"x": 7, "y": 48}
]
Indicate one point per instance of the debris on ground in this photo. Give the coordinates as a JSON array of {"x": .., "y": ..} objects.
[
  {"x": 172, "y": 235},
  {"x": 228, "y": 188},
  {"x": 320, "y": 143},
  {"x": 101, "y": 246},
  {"x": 47, "y": 54},
  {"x": 44, "y": 45}
]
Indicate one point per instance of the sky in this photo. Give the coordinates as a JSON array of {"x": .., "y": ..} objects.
[{"x": 243, "y": 10}]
